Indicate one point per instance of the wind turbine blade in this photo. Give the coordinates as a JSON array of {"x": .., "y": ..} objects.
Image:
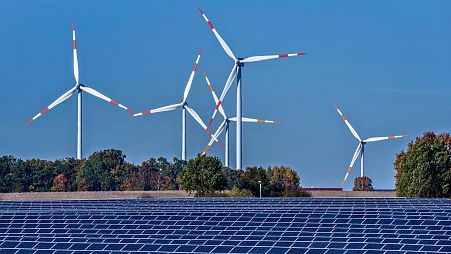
[
  {"x": 215, "y": 97},
  {"x": 75, "y": 55},
  {"x": 199, "y": 120},
  {"x": 229, "y": 81},
  {"x": 356, "y": 154},
  {"x": 190, "y": 80},
  {"x": 221, "y": 41},
  {"x": 212, "y": 140},
  {"x": 262, "y": 58},
  {"x": 62, "y": 98},
  {"x": 348, "y": 124},
  {"x": 161, "y": 109},
  {"x": 105, "y": 98},
  {"x": 382, "y": 138},
  {"x": 253, "y": 120}
]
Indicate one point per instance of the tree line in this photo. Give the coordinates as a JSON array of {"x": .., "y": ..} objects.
[{"x": 108, "y": 170}]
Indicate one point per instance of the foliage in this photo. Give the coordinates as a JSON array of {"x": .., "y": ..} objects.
[
  {"x": 8, "y": 165},
  {"x": 60, "y": 183},
  {"x": 363, "y": 183},
  {"x": 424, "y": 170},
  {"x": 102, "y": 171},
  {"x": 203, "y": 175},
  {"x": 213, "y": 194},
  {"x": 232, "y": 177},
  {"x": 250, "y": 180},
  {"x": 290, "y": 192},
  {"x": 235, "y": 192},
  {"x": 68, "y": 167},
  {"x": 107, "y": 170}
]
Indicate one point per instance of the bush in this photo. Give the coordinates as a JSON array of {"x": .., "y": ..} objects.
[
  {"x": 237, "y": 193},
  {"x": 146, "y": 195},
  {"x": 424, "y": 170},
  {"x": 203, "y": 175},
  {"x": 212, "y": 195},
  {"x": 295, "y": 193},
  {"x": 363, "y": 183}
]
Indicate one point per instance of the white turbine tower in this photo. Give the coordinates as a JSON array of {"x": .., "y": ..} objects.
[
  {"x": 225, "y": 124},
  {"x": 78, "y": 88},
  {"x": 360, "y": 150},
  {"x": 185, "y": 107},
  {"x": 236, "y": 72}
]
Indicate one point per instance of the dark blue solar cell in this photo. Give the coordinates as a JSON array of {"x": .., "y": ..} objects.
[
  {"x": 168, "y": 248},
  {"x": 260, "y": 250},
  {"x": 318, "y": 244},
  {"x": 23, "y": 252},
  {"x": 335, "y": 251},
  {"x": 316, "y": 251},
  {"x": 8, "y": 244},
  {"x": 7, "y": 251},
  {"x": 204, "y": 248},
  {"x": 222, "y": 249},
  {"x": 446, "y": 249},
  {"x": 430, "y": 248},
  {"x": 132, "y": 247},
  {"x": 150, "y": 247}
]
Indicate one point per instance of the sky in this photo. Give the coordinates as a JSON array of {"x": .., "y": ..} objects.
[{"x": 386, "y": 64}]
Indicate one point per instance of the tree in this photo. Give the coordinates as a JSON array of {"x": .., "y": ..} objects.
[
  {"x": 363, "y": 183},
  {"x": 249, "y": 181},
  {"x": 286, "y": 176},
  {"x": 424, "y": 170},
  {"x": 60, "y": 183},
  {"x": 146, "y": 170},
  {"x": 102, "y": 171},
  {"x": 232, "y": 177},
  {"x": 203, "y": 175},
  {"x": 8, "y": 165},
  {"x": 68, "y": 167},
  {"x": 40, "y": 175}
]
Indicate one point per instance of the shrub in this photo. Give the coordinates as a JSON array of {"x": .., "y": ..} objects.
[
  {"x": 237, "y": 193},
  {"x": 287, "y": 192}
]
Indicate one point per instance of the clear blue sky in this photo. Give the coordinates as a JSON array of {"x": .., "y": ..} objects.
[{"x": 385, "y": 63}]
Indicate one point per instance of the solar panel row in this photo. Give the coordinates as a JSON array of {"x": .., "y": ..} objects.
[{"x": 278, "y": 225}]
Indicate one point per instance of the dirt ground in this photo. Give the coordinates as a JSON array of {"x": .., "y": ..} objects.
[{"x": 162, "y": 194}]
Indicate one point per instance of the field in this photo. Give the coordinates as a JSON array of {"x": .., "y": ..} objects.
[{"x": 213, "y": 225}]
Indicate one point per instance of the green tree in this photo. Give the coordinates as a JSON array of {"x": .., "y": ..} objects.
[
  {"x": 39, "y": 175},
  {"x": 250, "y": 177},
  {"x": 424, "y": 170},
  {"x": 146, "y": 170},
  {"x": 203, "y": 175},
  {"x": 363, "y": 183},
  {"x": 8, "y": 165},
  {"x": 232, "y": 177},
  {"x": 102, "y": 171}
]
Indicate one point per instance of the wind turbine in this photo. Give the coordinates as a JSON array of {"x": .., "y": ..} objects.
[
  {"x": 78, "y": 88},
  {"x": 236, "y": 72},
  {"x": 360, "y": 150},
  {"x": 185, "y": 107},
  {"x": 225, "y": 124}
]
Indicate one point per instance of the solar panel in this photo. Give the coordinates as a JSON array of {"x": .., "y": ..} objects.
[{"x": 246, "y": 225}]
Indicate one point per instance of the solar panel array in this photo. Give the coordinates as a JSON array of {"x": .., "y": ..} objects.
[{"x": 267, "y": 225}]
